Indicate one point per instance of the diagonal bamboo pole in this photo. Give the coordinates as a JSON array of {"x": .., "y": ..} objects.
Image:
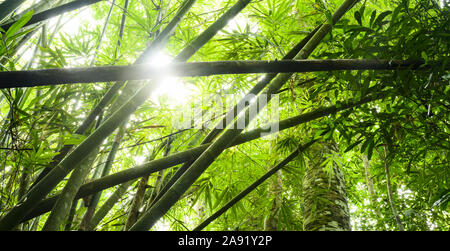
[
  {"x": 150, "y": 217},
  {"x": 253, "y": 186},
  {"x": 109, "y": 203},
  {"x": 47, "y": 14},
  {"x": 138, "y": 198},
  {"x": 62, "y": 205}
]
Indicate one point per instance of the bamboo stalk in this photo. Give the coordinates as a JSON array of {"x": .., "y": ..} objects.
[
  {"x": 190, "y": 154},
  {"x": 197, "y": 168},
  {"x": 94, "y": 113},
  {"x": 253, "y": 186},
  {"x": 102, "y": 34},
  {"x": 140, "y": 193},
  {"x": 7, "y": 7},
  {"x": 389, "y": 190},
  {"x": 47, "y": 14},
  {"x": 106, "y": 169},
  {"x": 71, "y": 216},
  {"x": 30, "y": 78},
  {"x": 109, "y": 203},
  {"x": 122, "y": 28},
  {"x": 62, "y": 206}
]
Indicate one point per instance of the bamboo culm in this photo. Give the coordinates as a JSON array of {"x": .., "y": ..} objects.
[
  {"x": 113, "y": 90},
  {"x": 62, "y": 206},
  {"x": 109, "y": 203},
  {"x": 263, "y": 82},
  {"x": 92, "y": 115},
  {"x": 47, "y": 14},
  {"x": 7, "y": 7}
]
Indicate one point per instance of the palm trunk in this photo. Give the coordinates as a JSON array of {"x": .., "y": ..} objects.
[
  {"x": 217, "y": 147},
  {"x": 191, "y": 154},
  {"x": 276, "y": 193},
  {"x": 324, "y": 196}
]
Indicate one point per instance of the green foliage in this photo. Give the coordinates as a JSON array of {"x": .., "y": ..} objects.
[{"x": 411, "y": 120}]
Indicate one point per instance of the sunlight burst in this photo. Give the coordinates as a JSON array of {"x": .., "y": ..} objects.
[{"x": 171, "y": 88}]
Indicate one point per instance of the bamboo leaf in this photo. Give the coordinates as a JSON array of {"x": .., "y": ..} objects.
[
  {"x": 350, "y": 147},
  {"x": 19, "y": 24}
]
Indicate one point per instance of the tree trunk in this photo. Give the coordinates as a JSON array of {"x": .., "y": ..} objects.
[
  {"x": 324, "y": 195},
  {"x": 276, "y": 193}
]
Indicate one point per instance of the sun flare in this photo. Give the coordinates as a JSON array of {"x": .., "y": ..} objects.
[{"x": 172, "y": 88}]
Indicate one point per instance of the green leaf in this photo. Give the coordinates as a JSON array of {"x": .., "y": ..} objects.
[
  {"x": 381, "y": 17},
  {"x": 365, "y": 144},
  {"x": 19, "y": 24},
  {"x": 370, "y": 149},
  {"x": 372, "y": 17},
  {"x": 329, "y": 16},
  {"x": 358, "y": 17},
  {"x": 443, "y": 201},
  {"x": 74, "y": 139},
  {"x": 350, "y": 147}
]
